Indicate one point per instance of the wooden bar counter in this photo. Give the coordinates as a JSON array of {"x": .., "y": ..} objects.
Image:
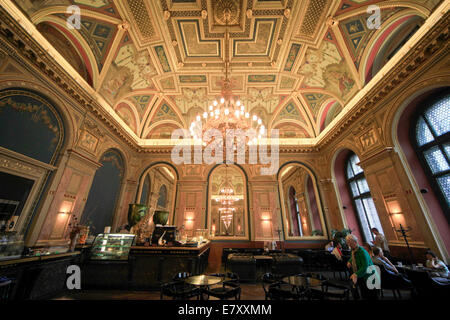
[
  {"x": 37, "y": 277},
  {"x": 146, "y": 267}
]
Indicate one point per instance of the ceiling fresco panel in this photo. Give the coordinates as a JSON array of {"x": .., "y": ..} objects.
[
  {"x": 326, "y": 69},
  {"x": 295, "y": 63},
  {"x": 130, "y": 70},
  {"x": 261, "y": 42},
  {"x": 193, "y": 43}
]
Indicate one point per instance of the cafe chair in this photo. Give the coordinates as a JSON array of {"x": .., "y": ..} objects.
[
  {"x": 182, "y": 285},
  {"x": 180, "y": 276},
  {"x": 425, "y": 285},
  {"x": 267, "y": 280},
  {"x": 228, "y": 290},
  {"x": 332, "y": 290},
  {"x": 6, "y": 285},
  {"x": 283, "y": 291},
  {"x": 179, "y": 291},
  {"x": 395, "y": 282}
]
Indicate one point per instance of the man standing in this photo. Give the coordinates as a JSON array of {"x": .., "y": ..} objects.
[
  {"x": 381, "y": 242},
  {"x": 359, "y": 263}
]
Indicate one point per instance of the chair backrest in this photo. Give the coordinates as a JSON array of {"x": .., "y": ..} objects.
[
  {"x": 267, "y": 280},
  {"x": 217, "y": 275},
  {"x": 181, "y": 276},
  {"x": 421, "y": 281},
  {"x": 233, "y": 276}
]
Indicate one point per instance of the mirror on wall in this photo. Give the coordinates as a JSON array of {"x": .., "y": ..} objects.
[
  {"x": 227, "y": 202},
  {"x": 157, "y": 189},
  {"x": 302, "y": 210}
]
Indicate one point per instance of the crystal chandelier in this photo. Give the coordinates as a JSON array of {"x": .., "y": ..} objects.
[
  {"x": 227, "y": 113},
  {"x": 226, "y": 215},
  {"x": 226, "y": 198}
]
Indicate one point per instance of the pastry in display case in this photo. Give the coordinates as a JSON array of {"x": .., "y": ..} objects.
[{"x": 112, "y": 246}]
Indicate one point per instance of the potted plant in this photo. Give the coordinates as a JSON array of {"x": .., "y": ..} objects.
[{"x": 339, "y": 236}]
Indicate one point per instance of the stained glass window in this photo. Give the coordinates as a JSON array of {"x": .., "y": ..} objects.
[
  {"x": 360, "y": 193},
  {"x": 432, "y": 132}
]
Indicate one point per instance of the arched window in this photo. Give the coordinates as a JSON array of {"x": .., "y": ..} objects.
[
  {"x": 362, "y": 200},
  {"x": 432, "y": 139}
]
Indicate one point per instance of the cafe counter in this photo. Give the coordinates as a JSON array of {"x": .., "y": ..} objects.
[
  {"x": 36, "y": 277},
  {"x": 146, "y": 267}
]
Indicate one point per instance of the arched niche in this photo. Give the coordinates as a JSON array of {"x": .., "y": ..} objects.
[
  {"x": 158, "y": 188},
  {"x": 302, "y": 212},
  {"x": 32, "y": 137},
  {"x": 103, "y": 198},
  {"x": 223, "y": 223}
]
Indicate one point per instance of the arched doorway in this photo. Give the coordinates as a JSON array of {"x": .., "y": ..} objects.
[
  {"x": 158, "y": 188},
  {"x": 227, "y": 203},
  {"x": 300, "y": 202}
]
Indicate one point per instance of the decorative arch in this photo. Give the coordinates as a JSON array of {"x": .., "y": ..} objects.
[
  {"x": 429, "y": 201},
  {"x": 40, "y": 15},
  {"x": 32, "y": 126},
  {"x": 416, "y": 8},
  {"x": 328, "y": 113},
  {"x": 165, "y": 110},
  {"x": 103, "y": 199},
  {"x": 128, "y": 114},
  {"x": 145, "y": 175},
  {"x": 289, "y": 110},
  {"x": 318, "y": 195},
  {"x": 246, "y": 214},
  {"x": 78, "y": 43},
  {"x": 378, "y": 44},
  {"x": 163, "y": 127},
  {"x": 285, "y": 125},
  {"x": 41, "y": 135},
  {"x": 346, "y": 208}
]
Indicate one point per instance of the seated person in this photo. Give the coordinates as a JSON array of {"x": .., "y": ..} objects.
[
  {"x": 330, "y": 246},
  {"x": 434, "y": 263},
  {"x": 337, "y": 250},
  {"x": 378, "y": 258},
  {"x": 368, "y": 248}
]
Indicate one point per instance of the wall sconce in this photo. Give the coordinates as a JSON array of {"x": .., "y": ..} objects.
[{"x": 394, "y": 207}]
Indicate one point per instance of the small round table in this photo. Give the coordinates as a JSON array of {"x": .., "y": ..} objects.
[
  {"x": 302, "y": 281},
  {"x": 303, "y": 284},
  {"x": 204, "y": 281}
]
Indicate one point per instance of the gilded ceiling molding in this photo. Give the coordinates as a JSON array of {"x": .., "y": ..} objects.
[
  {"x": 27, "y": 49},
  {"x": 92, "y": 61},
  {"x": 423, "y": 11},
  {"x": 436, "y": 40},
  {"x": 348, "y": 59},
  {"x": 121, "y": 29},
  {"x": 39, "y": 16}
]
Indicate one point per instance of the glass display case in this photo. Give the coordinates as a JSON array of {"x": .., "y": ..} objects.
[
  {"x": 11, "y": 245},
  {"x": 112, "y": 246}
]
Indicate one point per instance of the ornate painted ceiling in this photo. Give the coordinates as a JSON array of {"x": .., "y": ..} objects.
[{"x": 159, "y": 63}]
